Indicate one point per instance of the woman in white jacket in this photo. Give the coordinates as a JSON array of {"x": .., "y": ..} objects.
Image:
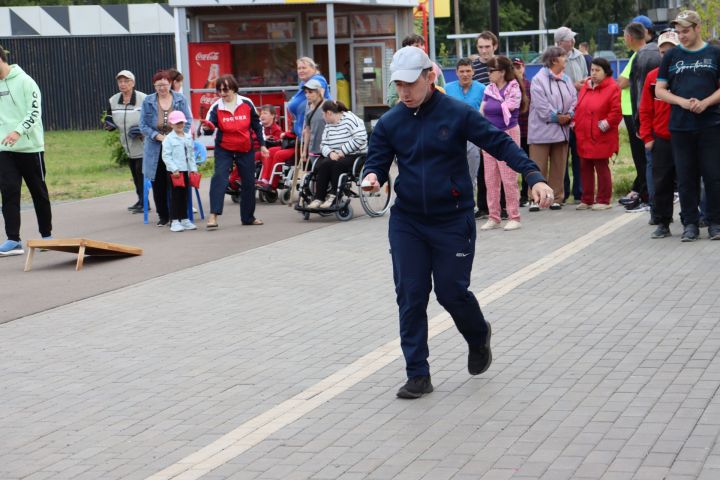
[{"x": 343, "y": 139}]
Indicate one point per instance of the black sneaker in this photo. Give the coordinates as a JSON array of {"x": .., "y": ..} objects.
[
  {"x": 481, "y": 214},
  {"x": 534, "y": 207},
  {"x": 524, "y": 202},
  {"x": 714, "y": 231},
  {"x": 480, "y": 358},
  {"x": 555, "y": 206},
  {"x": 134, "y": 206},
  {"x": 415, "y": 387},
  {"x": 503, "y": 214},
  {"x": 661, "y": 231},
  {"x": 163, "y": 222},
  {"x": 691, "y": 233},
  {"x": 629, "y": 198}
]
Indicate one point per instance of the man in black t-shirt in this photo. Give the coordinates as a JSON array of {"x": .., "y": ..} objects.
[{"x": 689, "y": 80}]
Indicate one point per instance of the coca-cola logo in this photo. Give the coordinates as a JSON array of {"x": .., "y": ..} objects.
[
  {"x": 208, "y": 99},
  {"x": 207, "y": 57}
]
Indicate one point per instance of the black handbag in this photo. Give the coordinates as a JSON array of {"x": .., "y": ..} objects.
[{"x": 287, "y": 142}]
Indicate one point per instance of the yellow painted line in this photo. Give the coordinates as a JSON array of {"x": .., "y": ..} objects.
[{"x": 261, "y": 427}]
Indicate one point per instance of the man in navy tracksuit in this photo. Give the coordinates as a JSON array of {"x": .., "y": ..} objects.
[{"x": 432, "y": 226}]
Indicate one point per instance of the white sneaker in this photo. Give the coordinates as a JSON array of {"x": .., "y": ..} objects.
[
  {"x": 534, "y": 207},
  {"x": 176, "y": 226},
  {"x": 329, "y": 201},
  {"x": 490, "y": 225},
  {"x": 512, "y": 225},
  {"x": 187, "y": 224},
  {"x": 314, "y": 204}
]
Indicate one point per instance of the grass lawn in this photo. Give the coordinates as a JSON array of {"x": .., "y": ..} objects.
[{"x": 80, "y": 166}]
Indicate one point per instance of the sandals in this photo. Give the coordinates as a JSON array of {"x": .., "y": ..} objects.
[
  {"x": 211, "y": 226},
  {"x": 257, "y": 221}
]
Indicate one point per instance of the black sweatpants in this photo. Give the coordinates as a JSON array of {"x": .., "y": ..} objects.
[
  {"x": 160, "y": 190},
  {"x": 135, "y": 165},
  {"x": 179, "y": 196},
  {"x": 663, "y": 172},
  {"x": 14, "y": 168},
  {"x": 328, "y": 172},
  {"x": 696, "y": 156},
  {"x": 637, "y": 148}
]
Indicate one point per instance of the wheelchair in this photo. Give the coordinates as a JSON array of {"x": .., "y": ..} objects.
[{"x": 375, "y": 204}]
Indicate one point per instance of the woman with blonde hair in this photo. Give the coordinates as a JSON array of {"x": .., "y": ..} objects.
[{"x": 307, "y": 70}]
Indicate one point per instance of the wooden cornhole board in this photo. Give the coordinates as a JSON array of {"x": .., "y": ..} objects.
[{"x": 81, "y": 246}]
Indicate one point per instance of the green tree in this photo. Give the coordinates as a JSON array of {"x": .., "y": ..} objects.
[{"x": 709, "y": 11}]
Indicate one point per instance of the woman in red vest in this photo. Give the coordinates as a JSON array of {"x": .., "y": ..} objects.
[{"x": 597, "y": 116}]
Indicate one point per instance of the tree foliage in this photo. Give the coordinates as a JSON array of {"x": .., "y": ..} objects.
[{"x": 587, "y": 17}]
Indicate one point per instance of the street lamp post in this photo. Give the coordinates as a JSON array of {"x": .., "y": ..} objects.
[{"x": 495, "y": 17}]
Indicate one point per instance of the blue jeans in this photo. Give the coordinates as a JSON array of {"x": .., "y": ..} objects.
[
  {"x": 245, "y": 162},
  {"x": 440, "y": 252},
  {"x": 696, "y": 156}
]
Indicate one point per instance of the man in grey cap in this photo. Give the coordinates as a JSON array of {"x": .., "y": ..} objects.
[
  {"x": 432, "y": 226},
  {"x": 575, "y": 68},
  {"x": 123, "y": 114},
  {"x": 688, "y": 80}
]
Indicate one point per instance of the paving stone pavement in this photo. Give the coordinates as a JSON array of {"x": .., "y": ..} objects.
[{"x": 605, "y": 366}]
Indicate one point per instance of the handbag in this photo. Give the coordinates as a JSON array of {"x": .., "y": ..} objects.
[
  {"x": 287, "y": 142},
  {"x": 195, "y": 179},
  {"x": 178, "y": 181}
]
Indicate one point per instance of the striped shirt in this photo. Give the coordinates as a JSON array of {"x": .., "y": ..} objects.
[
  {"x": 480, "y": 72},
  {"x": 348, "y": 135}
]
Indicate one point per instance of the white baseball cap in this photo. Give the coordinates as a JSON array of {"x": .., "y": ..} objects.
[
  {"x": 564, "y": 33},
  {"x": 313, "y": 84},
  {"x": 668, "y": 37},
  {"x": 408, "y": 63},
  {"x": 125, "y": 73}
]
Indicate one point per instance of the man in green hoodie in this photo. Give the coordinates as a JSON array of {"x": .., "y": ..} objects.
[{"x": 21, "y": 153}]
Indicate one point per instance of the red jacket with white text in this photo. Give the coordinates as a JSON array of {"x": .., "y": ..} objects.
[{"x": 233, "y": 127}]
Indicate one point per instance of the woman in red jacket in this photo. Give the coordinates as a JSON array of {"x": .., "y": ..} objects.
[{"x": 597, "y": 116}]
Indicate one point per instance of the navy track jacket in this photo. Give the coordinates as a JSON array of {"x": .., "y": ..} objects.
[{"x": 430, "y": 145}]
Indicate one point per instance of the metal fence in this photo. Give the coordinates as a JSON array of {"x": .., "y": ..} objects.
[{"x": 76, "y": 75}]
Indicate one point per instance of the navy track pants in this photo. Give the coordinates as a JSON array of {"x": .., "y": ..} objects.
[{"x": 442, "y": 253}]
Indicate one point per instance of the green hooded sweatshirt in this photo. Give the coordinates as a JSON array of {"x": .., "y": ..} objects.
[{"x": 20, "y": 111}]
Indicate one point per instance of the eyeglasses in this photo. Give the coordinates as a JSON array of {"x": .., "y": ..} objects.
[
  {"x": 162, "y": 85},
  {"x": 223, "y": 89}
]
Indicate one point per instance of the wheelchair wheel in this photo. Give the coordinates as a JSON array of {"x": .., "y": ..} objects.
[
  {"x": 345, "y": 213},
  {"x": 284, "y": 196},
  {"x": 268, "y": 196},
  {"x": 377, "y": 203}
]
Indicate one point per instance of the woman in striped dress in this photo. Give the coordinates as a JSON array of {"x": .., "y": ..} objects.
[{"x": 343, "y": 139}]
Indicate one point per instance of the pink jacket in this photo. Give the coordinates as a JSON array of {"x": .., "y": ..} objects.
[{"x": 551, "y": 95}]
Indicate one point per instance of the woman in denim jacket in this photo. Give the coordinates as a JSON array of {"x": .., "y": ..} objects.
[
  {"x": 154, "y": 125},
  {"x": 551, "y": 111}
]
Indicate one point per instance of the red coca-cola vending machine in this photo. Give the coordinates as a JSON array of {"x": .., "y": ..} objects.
[{"x": 207, "y": 62}]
